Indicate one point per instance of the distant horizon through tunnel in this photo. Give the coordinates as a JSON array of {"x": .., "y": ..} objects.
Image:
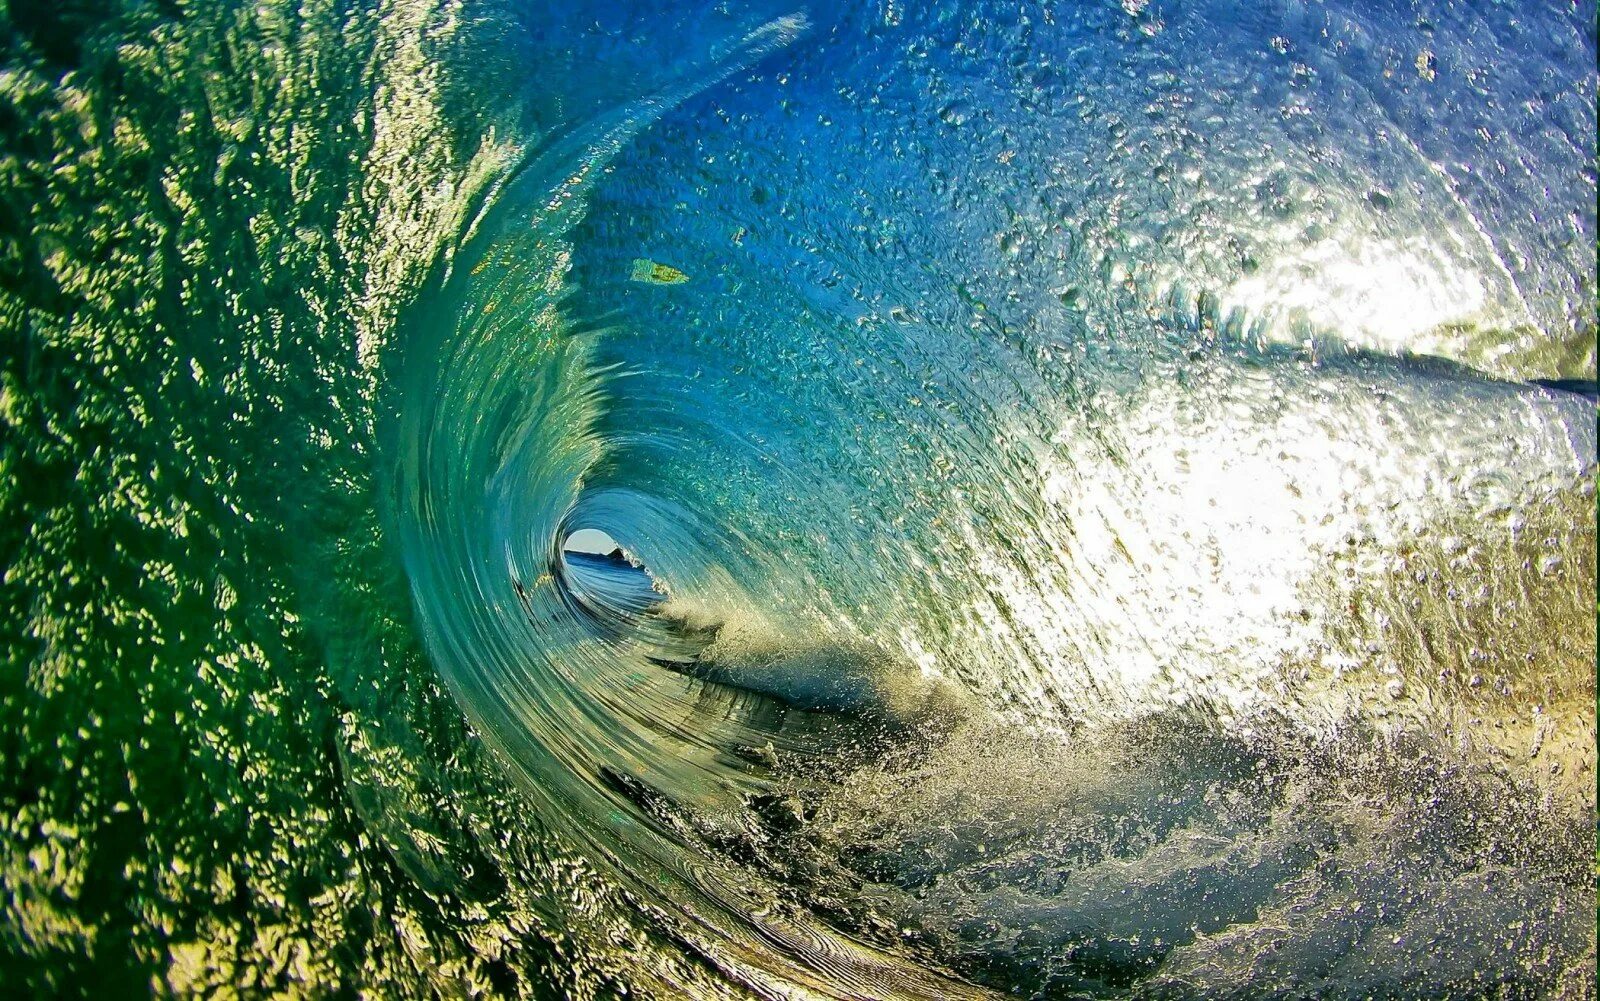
[{"x": 591, "y": 540}]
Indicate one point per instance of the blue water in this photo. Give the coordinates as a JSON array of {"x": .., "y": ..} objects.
[
  {"x": 608, "y": 589},
  {"x": 1106, "y": 508}
]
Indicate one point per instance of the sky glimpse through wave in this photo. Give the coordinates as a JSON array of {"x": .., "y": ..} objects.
[{"x": 504, "y": 498}]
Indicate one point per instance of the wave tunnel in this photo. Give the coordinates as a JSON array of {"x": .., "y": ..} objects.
[{"x": 505, "y": 498}]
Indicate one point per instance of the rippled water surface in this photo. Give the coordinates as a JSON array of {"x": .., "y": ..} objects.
[{"x": 1104, "y": 496}]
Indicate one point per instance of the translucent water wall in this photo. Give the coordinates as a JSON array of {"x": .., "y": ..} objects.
[{"x": 1105, "y": 500}]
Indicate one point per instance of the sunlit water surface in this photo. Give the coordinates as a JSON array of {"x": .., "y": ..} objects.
[{"x": 1106, "y": 495}]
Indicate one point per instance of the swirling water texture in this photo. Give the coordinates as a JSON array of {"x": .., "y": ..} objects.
[
  {"x": 229, "y": 765},
  {"x": 1040, "y": 371}
]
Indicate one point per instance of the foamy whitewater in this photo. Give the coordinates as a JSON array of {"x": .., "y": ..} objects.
[{"x": 1105, "y": 498}]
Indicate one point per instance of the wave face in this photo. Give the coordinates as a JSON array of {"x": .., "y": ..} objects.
[{"x": 1105, "y": 517}]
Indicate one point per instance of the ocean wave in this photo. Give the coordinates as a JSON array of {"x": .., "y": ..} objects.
[{"x": 1093, "y": 529}]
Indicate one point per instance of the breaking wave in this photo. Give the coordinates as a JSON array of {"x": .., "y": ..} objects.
[{"x": 1103, "y": 503}]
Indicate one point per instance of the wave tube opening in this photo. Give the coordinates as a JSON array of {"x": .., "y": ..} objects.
[{"x": 1089, "y": 554}]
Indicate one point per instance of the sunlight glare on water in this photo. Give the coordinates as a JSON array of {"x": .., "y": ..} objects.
[{"x": 1106, "y": 495}]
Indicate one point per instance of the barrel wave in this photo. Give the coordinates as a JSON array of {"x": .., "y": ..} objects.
[{"x": 1103, "y": 496}]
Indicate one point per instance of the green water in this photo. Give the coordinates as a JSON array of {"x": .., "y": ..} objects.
[{"x": 225, "y": 760}]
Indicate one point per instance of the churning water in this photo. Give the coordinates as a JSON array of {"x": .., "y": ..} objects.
[{"x": 1106, "y": 491}]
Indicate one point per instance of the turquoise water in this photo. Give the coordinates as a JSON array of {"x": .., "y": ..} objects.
[{"x": 1100, "y": 530}]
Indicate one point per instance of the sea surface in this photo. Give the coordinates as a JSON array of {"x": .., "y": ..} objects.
[{"x": 1106, "y": 491}]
